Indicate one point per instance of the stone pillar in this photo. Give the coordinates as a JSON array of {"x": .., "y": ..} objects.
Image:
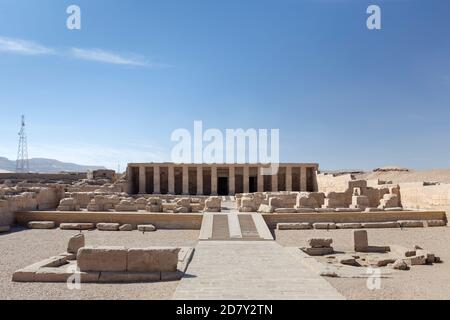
[
  {"x": 199, "y": 180},
  {"x": 231, "y": 181},
  {"x": 142, "y": 180},
  {"x": 185, "y": 180},
  {"x": 275, "y": 182},
  {"x": 303, "y": 178},
  {"x": 156, "y": 180},
  {"x": 213, "y": 180},
  {"x": 171, "y": 179},
  {"x": 289, "y": 178},
  {"x": 246, "y": 176},
  {"x": 260, "y": 180}
]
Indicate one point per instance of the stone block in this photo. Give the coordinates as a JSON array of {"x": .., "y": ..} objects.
[
  {"x": 401, "y": 251},
  {"x": 286, "y": 210},
  {"x": 400, "y": 265},
  {"x": 128, "y": 277},
  {"x": 324, "y": 225},
  {"x": 360, "y": 240},
  {"x": 102, "y": 259},
  {"x": 41, "y": 224},
  {"x": 416, "y": 260},
  {"x": 77, "y": 226},
  {"x": 126, "y": 227},
  {"x": 435, "y": 223},
  {"x": 108, "y": 226},
  {"x": 392, "y": 224},
  {"x": 75, "y": 243},
  {"x": 410, "y": 223},
  {"x": 430, "y": 257},
  {"x": 153, "y": 259},
  {"x": 348, "y": 225},
  {"x": 347, "y": 260},
  {"x": 318, "y": 251},
  {"x": 320, "y": 242},
  {"x": 146, "y": 228},
  {"x": 294, "y": 226},
  {"x": 265, "y": 208}
]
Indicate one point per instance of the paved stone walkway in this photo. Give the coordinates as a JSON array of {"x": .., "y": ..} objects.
[{"x": 238, "y": 270}]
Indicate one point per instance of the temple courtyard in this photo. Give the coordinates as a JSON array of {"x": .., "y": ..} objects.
[{"x": 23, "y": 247}]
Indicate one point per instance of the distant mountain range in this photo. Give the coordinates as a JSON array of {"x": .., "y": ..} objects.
[{"x": 42, "y": 165}]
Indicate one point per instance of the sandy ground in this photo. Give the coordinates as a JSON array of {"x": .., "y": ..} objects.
[
  {"x": 420, "y": 282},
  {"x": 25, "y": 247},
  {"x": 438, "y": 175}
]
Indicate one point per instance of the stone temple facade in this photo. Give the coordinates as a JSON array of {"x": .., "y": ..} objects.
[{"x": 218, "y": 179}]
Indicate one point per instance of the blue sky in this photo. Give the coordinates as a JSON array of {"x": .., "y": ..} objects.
[{"x": 341, "y": 95}]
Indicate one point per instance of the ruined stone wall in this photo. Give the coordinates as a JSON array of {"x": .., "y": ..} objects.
[
  {"x": 29, "y": 199},
  {"x": 420, "y": 195},
  {"x": 6, "y": 216},
  {"x": 333, "y": 183}
]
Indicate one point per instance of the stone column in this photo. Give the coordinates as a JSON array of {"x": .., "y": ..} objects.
[
  {"x": 185, "y": 180},
  {"x": 199, "y": 180},
  {"x": 260, "y": 181},
  {"x": 156, "y": 180},
  {"x": 288, "y": 178},
  {"x": 246, "y": 176},
  {"x": 231, "y": 181},
  {"x": 213, "y": 180},
  {"x": 171, "y": 179},
  {"x": 142, "y": 180},
  {"x": 274, "y": 182},
  {"x": 303, "y": 178}
]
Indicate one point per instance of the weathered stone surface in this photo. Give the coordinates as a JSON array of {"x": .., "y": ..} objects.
[
  {"x": 286, "y": 210},
  {"x": 265, "y": 208},
  {"x": 75, "y": 243},
  {"x": 213, "y": 204},
  {"x": 348, "y": 225},
  {"x": 360, "y": 240},
  {"x": 183, "y": 202},
  {"x": 347, "y": 260},
  {"x": 41, "y": 224},
  {"x": 400, "y": 265},
  {"x": 102, "y": 259},
  {"x": 318, "y": 251},
  {"x": 320, "y": 242},
  {"x": 152, "y": 259},
  {"x": 416, "y": 260},
  {"x": 76, "y": 226},
  {"x": 348, "y": 210},
  {"x": 305, "y": 210},
  {"x": 294, "y": 226},
  {"x": 380, "y": 261},
  {"x": 146, "y": 228},
  {"x": 435, "y": 223},
  {"x": 108, "y": 226},
  {"x": 128, "y": 277},
  {"x": 410, "y": 223},
  {"x": 324, "y": 225},
  {"x": 247, "y": 209},
  {"x": 430, "y": 257},
  {"x": 126, "y": 227},
  {"x": 392, "y": 224}
]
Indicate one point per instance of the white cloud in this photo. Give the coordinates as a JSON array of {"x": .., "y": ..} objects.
[
  {"x": 23, "y": 47},
  {"x": 100, "y": 55}
]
